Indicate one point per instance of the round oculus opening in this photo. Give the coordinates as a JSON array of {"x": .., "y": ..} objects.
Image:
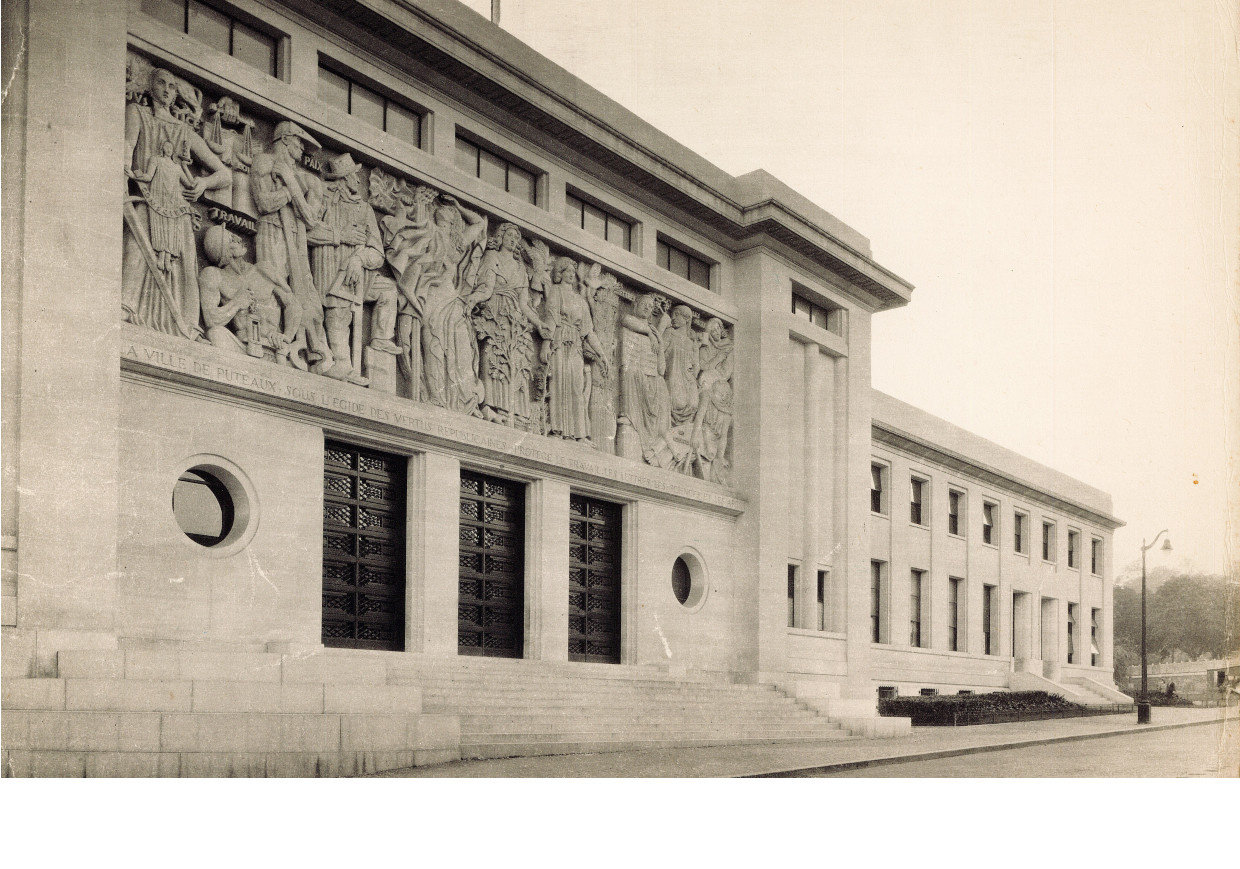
[
  {"x": 682, "y": 581},
  {"x": 203, "y": 506}
]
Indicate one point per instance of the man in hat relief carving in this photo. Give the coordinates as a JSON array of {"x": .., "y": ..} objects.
[
  {"x": 280, "y": 197},
  {"x": 346, "y": 254},
  {"x": 241, "y": 306}
]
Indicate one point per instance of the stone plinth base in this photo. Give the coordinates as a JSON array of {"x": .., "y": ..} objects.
[{"x": 380, "y": 367}]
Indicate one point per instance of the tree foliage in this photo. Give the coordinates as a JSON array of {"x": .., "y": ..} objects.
[{"x": 1187, "y": 617}]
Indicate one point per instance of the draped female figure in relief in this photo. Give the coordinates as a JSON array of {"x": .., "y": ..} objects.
[
  {"x": 604, "y": 301},
  {"x": 503, "y": 322},
  {"x": 434, "y": 260},
  {"x": 645, "y": 407},
  {"x": 682, "y": 365},
  {"x": 159, "y": 289},
  {"x": 712, "y": 425},
  {"x": 569, "y": 331}
]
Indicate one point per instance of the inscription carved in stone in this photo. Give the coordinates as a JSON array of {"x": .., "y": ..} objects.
[{"x": 245, "y": 232}]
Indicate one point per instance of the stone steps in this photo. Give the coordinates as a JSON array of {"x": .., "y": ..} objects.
[
  {"x": 143, "y": 711},
  {"x": 509, "y": 712},
  {"x": 519, "y": 700},
  {"x": 476, "y": 723},
  {"x": 531, "y": 748}
]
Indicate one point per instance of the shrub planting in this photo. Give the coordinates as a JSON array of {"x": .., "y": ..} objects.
[{"x": 992, "y": 708}]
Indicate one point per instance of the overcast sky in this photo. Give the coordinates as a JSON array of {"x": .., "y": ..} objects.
[{"x": 1049, "y": 175}]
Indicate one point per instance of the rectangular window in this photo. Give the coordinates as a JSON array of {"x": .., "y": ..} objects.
[
  {"x": 989, "y": 532},
  {"x": 916, "y": 583},
  {"x": 1072, "y": 612},
  {"x": 683, "y": 263},
  {"x": 955, "y": 502},
  {"x": 917, "y": 492},
  {"x": 878, "y": 501},
  {"x": 598, "y": 222},
  {"x": 1048, "y": 541},
  {"x": 887, "y": 692},
  {"x": 363, "y": 548},
  {"x": 496, "y": 170},
  {"x": 929, "y": 692},
  {"x": 1095, "y": 556},
  {"x": 220, "y": 30},
  {"x": 1094, "y": 651},
  {"x": 1073, "y": 541},
  {"x": 792, "y": 595},
  {"x": 825, "y": 316},
  {"x": 953, "y": 614},
  {"x": 988, "y": 607},
  {"x": 876, "y": 601},
  {"x": 822, "y": 600},
  {"x": 1018, "y": 532},
  {"x": 375, "y": 109}
]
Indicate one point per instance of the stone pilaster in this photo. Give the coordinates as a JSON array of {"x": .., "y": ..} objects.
[
  {"x": 433, "y": 556},
  {"x": 546, "y": 570},
  {"x": 70, "y": 299}
]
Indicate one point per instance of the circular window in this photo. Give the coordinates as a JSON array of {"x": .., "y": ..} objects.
[
  {"x": 212, "y": 503},
  {"x": 682, "y": 582},
  {"x": 689, "y": 581},
  {"x": 202, "y": 506}
]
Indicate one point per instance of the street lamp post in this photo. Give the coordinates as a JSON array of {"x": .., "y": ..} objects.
[{"x": 1143, "y": 702}]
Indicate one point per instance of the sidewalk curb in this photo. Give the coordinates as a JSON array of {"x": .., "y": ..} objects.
[{"x": 939, "y": 754}]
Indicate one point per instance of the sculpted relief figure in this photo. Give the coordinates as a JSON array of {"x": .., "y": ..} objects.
[
  {"x": 346, "y": 253},
  {"x": 280, "y": 196},
  {"x": 569, "y": 332},
  {"x": 159, "y": 286},
  {"x": 230, "y": 135},
  {"x": 242, "y": 307},
  {"x": 712, "y": 425},
  {"x": 604, "y": 302},
  {"x": 433, "y": 256},
  {"x": 503, "y": 322},
  {"x": 682, "y": 365},
  {"x": 645, "y": 408}
]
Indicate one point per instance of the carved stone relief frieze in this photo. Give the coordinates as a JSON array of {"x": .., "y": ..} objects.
[{"x": 245, "y": 232}]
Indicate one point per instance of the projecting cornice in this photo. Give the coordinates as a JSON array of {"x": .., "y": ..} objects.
[
  {"x": 502, "y": 73},
  {"x": 888, "y": 435}
]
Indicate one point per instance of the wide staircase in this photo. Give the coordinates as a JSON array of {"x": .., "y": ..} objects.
[
  {"x": 185, "y": 712},
  {"x": 526, "y": 708}
]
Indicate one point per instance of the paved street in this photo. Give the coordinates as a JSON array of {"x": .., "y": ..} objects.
[
  {"x": 869, "y": 756},
  {"x": 1200, "y": 751}
]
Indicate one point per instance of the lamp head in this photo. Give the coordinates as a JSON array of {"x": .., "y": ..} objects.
[{"x": 1166, "y": 547}]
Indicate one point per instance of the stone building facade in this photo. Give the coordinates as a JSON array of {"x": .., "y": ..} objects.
[{"x": 355, "y": 354}]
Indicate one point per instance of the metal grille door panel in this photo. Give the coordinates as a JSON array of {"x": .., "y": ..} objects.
[
  {"x": 491, "y": 604},
  {"x": 363, "y": 548},
  {"x": 593, "y": 580}
]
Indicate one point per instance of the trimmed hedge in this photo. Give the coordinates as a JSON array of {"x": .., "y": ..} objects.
[{"x": 950, "y": 709}]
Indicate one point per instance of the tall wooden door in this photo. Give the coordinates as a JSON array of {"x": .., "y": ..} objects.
[
  {"x": 593, "y": 580},
  {"x": 363, "y": 548},
  {"x": 491, "y": 605}
]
